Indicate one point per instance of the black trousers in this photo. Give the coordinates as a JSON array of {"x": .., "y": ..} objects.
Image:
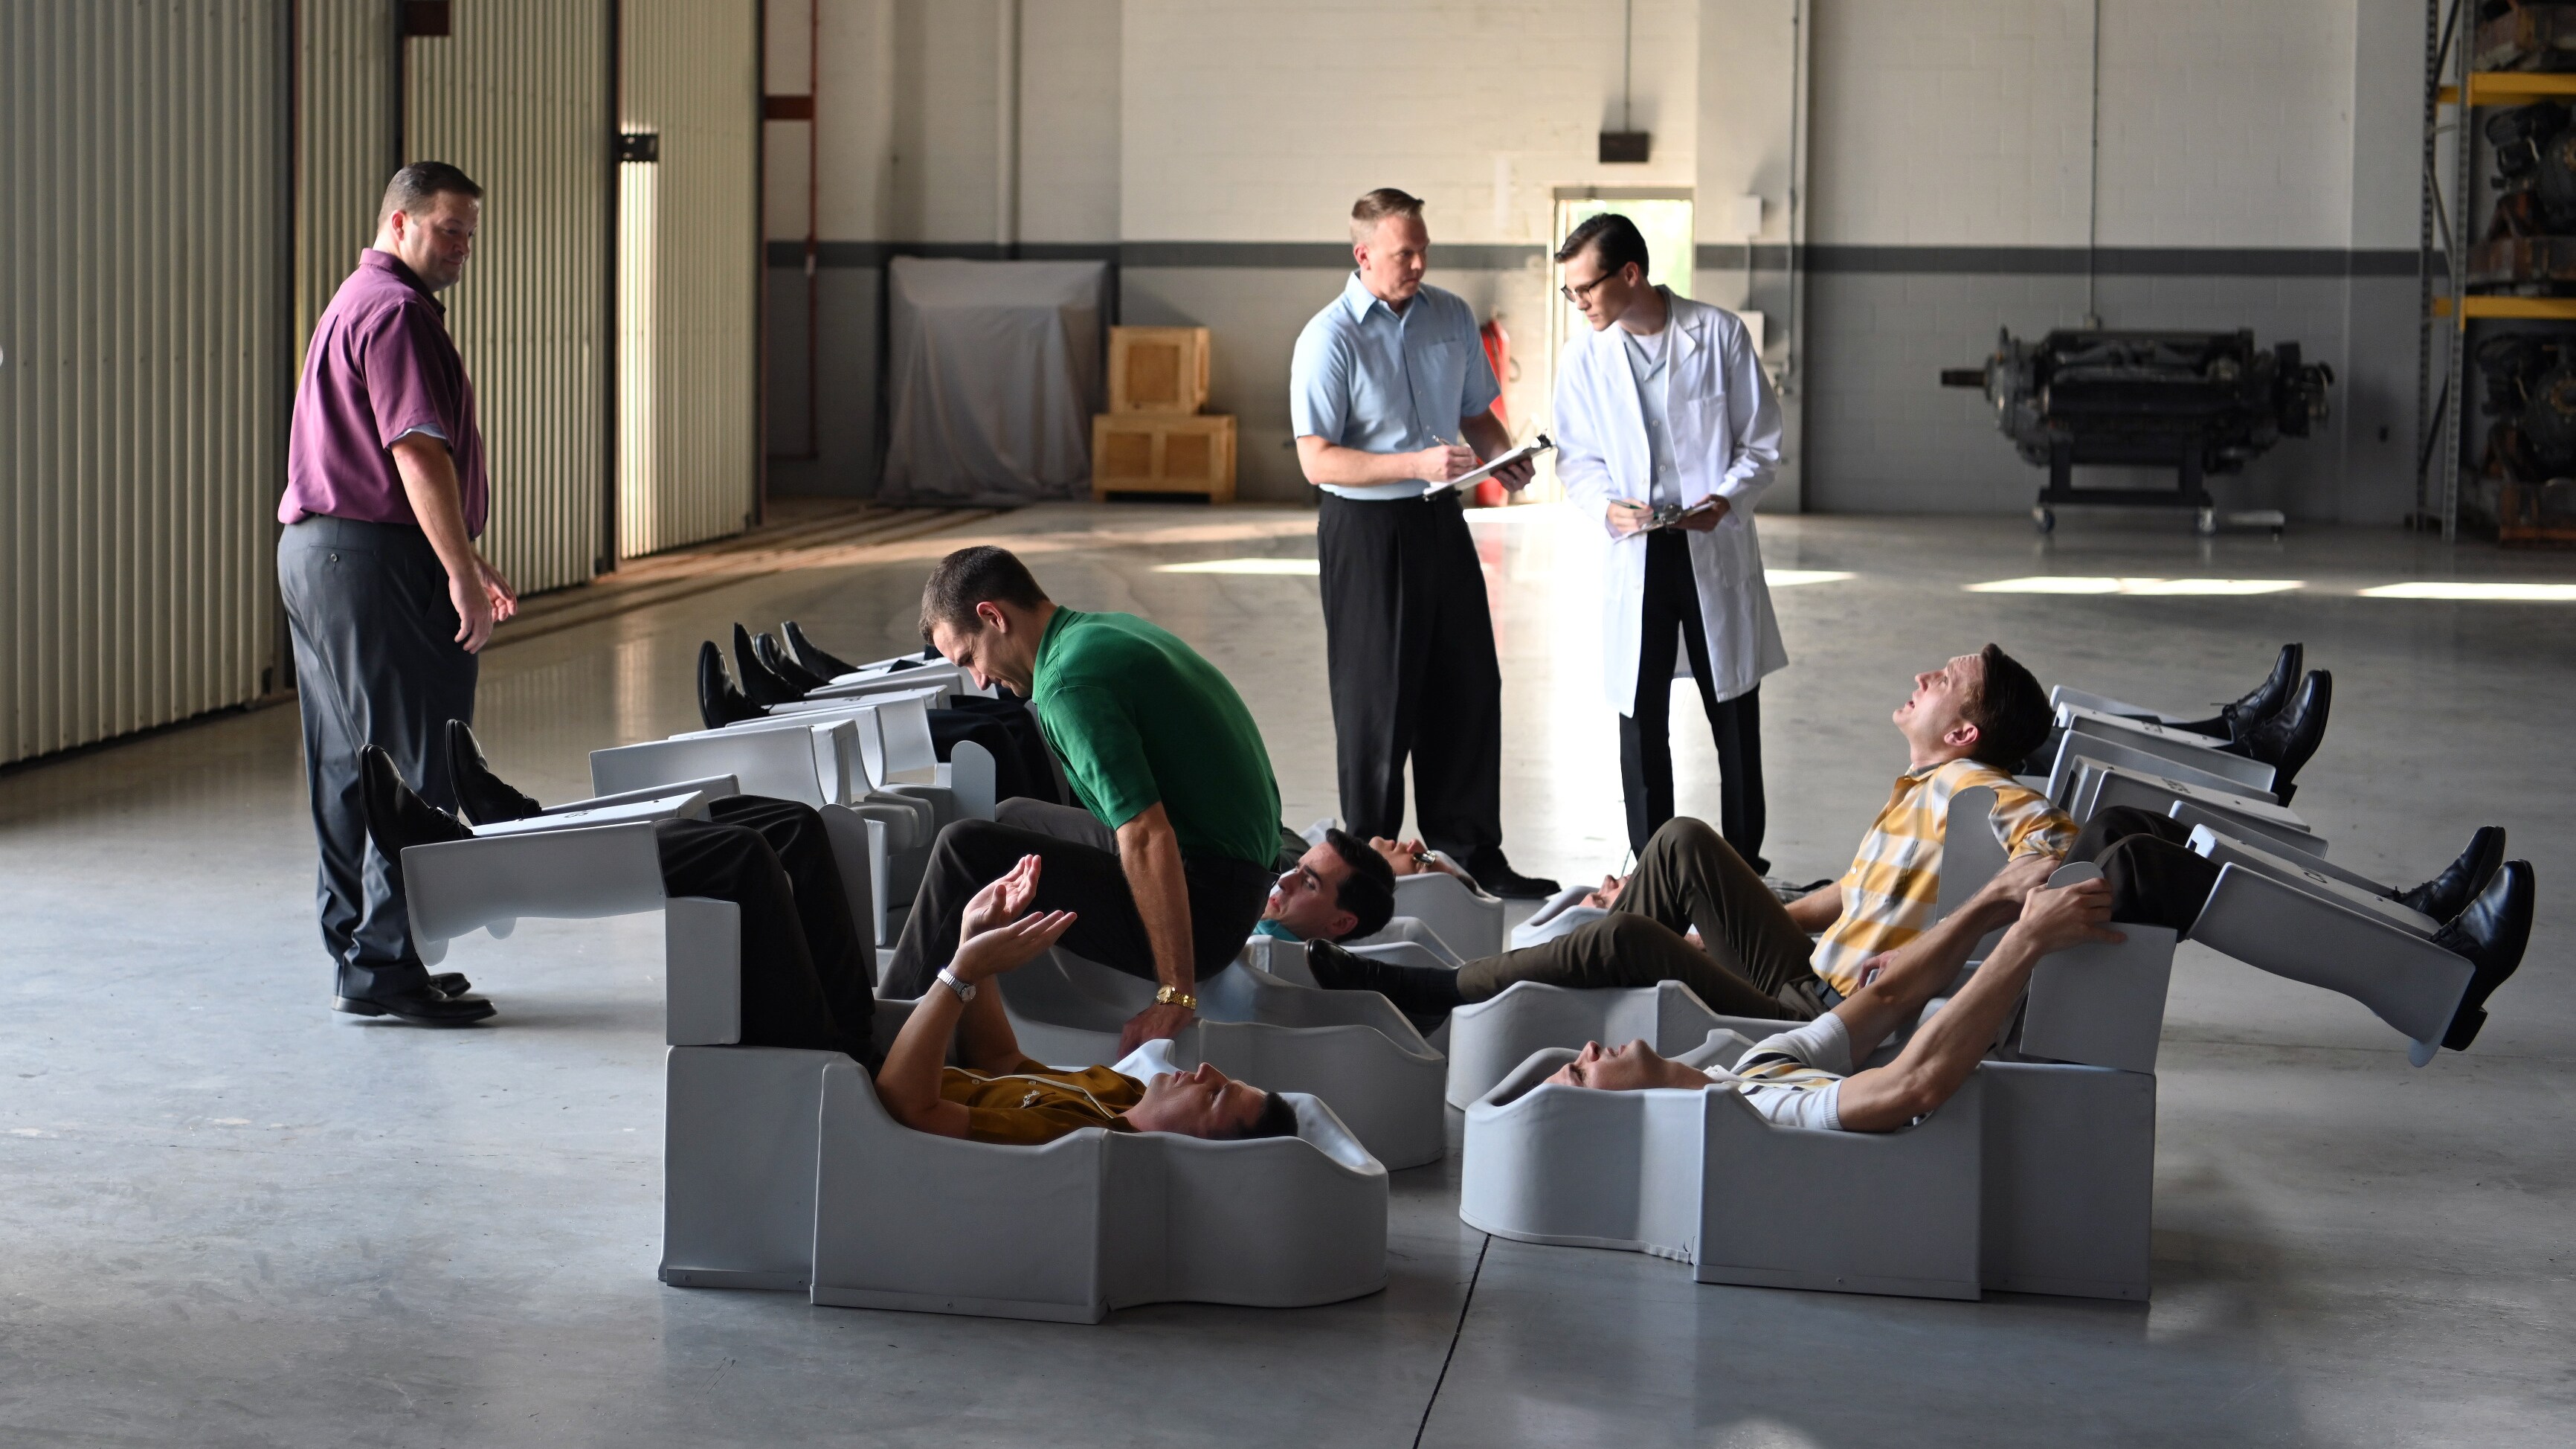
[
  {"x": 376, "y": 663},
  {"x": 1756, "y": 961},
  {"x": 1226, "y": 897},
  {"x": 1645, "y": 732},
  {"x": 1007, "y": 729},
  {"x": 807, "y": 973},
  {"x": 2156, "y": 878},
  {"x": 1409, "y": 648}
]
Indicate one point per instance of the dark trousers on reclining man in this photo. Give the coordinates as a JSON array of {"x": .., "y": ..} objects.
[
  {"x": 806, "y": 972},
  {"x": 1755, "y": 962}
]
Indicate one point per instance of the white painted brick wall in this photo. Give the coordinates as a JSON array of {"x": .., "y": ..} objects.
[
  {"x": 1260, "y": 120},
  {"x": 1949, "y": 122},
  {"x": 1069, "y": 63},
  {"x": 1966, "y": 122},
  {"x": 2226, "y": 123}
]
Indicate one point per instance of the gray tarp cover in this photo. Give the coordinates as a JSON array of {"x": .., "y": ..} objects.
[{"x": 995, "y": 376}]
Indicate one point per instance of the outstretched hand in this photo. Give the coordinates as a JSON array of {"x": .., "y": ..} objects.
[
  {"x": 2054, "y": 919},
  {"x": 1006, "y": 899},
  {"x": 1009, "y": 946}
]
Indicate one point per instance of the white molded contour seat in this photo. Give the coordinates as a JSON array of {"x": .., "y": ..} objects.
[
  {"x": 2034, "y": 1178},
  {"x": 1350, "y": 1048},
  {"x": 2273, "y": 912},
  {"x": 2092, "y": 786},
  {"x": 581, "y": 872},
  {"x": 1469, "y": 921},
  {"x": 777, "y": 1161},
  {"x": 1091, "y": 1221},
  {"x": 2154, "y": 749}
]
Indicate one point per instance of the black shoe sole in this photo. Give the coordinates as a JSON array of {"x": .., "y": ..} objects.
[{"x": 360, "y": 1006}]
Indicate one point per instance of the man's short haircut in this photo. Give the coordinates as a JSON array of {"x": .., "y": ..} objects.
[
  {"x": 1377, "y": 206},
  {"x": 1276, "y": 1119},
  {"x": 1368, "y": 893},
  {"x": 970, "y": 576},
  {"x": 1614, "y": 239},
  {"x": 2011, "y": 711},
  {"x": 416, "y": 185}
]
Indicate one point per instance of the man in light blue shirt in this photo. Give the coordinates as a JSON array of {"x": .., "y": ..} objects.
[{"x": 1389, "y": 393}]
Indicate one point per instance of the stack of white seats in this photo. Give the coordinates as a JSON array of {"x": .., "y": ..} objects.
[
  {"x": 2278, "y": 903},
  {"x": 866, "y": 766}
]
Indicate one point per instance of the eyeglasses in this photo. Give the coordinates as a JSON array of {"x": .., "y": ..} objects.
[{"x": 1578, "y": 295}]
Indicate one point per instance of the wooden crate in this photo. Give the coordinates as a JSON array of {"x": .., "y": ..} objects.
[
  {"x": 1158, "y": 369},
  {"x": 1163, "y": 453}
]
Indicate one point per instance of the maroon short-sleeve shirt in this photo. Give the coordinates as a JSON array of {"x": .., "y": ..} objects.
[{"x": 381, "y": 365}]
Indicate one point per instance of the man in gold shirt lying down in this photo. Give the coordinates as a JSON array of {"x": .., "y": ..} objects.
[{"x": 998, "y": 1093}]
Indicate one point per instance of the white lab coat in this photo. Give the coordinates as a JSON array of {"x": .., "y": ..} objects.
[{"x": 1725, "y": 423}]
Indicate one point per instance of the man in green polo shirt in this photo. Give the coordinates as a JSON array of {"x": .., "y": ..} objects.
[{"x": 1156, "y": 744}]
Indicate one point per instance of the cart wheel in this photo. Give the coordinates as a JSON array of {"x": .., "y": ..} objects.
[
  {"x": 2276, "y": 533},
  {"x": 2205, "y": 522},
  {"x": 2044, "y": 519}
]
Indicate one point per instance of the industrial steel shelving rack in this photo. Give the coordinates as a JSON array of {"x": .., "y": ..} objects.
[{"x": 2445, "y": 311}]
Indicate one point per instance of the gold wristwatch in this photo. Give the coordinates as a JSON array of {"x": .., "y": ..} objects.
[{"x": 1174, "y": 996}]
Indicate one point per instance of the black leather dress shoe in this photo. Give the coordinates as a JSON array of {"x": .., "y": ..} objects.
[
  {"x": 397, "y": 818},
  {"x": 2287, "y": 740},
  {"x": 829, "y": 666},
  {"x": 719, "y": 703},
  {"x": 483, "y": 797},
  {"x": 424, "y": 1007},
  {"x": 779, "y": 662},
  {"x": 2492, "y": 933},
  {"x": 760, "y": 684},
  {"x": 1497, "y": 877},
  {"x": 2265, "y": 700},
  {"x": 2448, "y": 894},
  {"x": 450, "y": 983},
  {"x": 1425, "y": 994}
]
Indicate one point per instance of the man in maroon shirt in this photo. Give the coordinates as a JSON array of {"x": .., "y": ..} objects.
[{"x": 388, "y": 599}]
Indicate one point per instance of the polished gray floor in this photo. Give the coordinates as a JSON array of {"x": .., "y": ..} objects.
[{"x": 233, "y": 1218}]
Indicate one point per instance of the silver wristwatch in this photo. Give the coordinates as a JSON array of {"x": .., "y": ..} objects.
[{"x": 965, "y": 989}]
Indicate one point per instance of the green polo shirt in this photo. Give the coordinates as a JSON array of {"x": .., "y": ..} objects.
[{"x": 1137, "y": 717}]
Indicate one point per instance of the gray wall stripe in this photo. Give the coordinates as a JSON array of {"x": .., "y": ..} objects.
[{"x": 1918, "y": 261}]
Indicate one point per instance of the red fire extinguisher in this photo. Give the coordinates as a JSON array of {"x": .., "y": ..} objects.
[{"x": 1498, "y": 353}]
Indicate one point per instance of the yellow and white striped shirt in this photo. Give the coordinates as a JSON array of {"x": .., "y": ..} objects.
[{"x": 1894, "y": 885}]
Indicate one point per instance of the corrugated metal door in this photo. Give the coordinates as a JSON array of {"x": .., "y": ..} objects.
[
  {"x": 345, "y": 143},
  {"x": 519, "y": 96},
  {"x": 688, "y": 406},
  {"x": 144, "y": 361}
]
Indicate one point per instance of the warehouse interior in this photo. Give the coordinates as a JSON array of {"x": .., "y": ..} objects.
[{"x": 776, "y": 303}]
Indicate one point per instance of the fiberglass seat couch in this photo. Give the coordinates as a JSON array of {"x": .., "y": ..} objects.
[
  {"x": 2036, "y": 1177},
  {"x": 879, "y": 827},
  {"x": 782, "y": 1171}
]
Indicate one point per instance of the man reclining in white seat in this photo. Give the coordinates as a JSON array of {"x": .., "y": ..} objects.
[
  {"x": 998, "y": 1093},
  {"x": 1805, "y": 1077},
  {"x": 1963, "y": 726}
]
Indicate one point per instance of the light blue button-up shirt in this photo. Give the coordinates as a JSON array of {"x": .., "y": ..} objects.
[
  {"x": 1365, "y": 376},
  {"x": 1649, "y": 363}
]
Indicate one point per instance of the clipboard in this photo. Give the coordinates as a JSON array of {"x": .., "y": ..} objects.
[{"x": 1542, "y": 443}]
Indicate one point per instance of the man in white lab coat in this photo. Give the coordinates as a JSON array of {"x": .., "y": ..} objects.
[{"x": 1663, "y": 412}]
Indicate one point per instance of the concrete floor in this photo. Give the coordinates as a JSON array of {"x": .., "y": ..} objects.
[{"x": 235, "y": 1218}]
